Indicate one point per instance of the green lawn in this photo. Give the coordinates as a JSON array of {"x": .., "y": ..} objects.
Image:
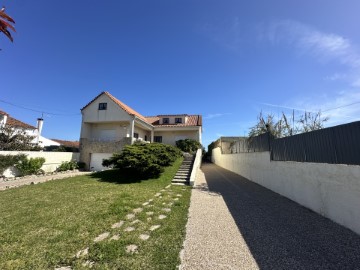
[{"x": 43, "y": 226}]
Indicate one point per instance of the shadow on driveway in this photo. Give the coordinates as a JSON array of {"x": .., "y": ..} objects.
[{"x": 280, "y": 233}]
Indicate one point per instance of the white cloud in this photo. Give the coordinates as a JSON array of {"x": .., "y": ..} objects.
[
  {"x": 215, "y": 115},
  {"x": 323, "y": 46}
]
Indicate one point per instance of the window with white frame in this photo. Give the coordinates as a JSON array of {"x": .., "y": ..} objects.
[
  {"x": 166, "y": 120},
  {"x": 178, "y": 120},
  {"x": 102, "y": 106},
  {"x": 158, "y": 139}
]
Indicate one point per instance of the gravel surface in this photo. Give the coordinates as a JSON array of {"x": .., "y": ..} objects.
[
  {"x": 237, "y": 224},
  {"x": 29, "y": 180}
]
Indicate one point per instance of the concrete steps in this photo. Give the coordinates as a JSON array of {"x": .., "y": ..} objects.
[{"x": 182, "y": 177}]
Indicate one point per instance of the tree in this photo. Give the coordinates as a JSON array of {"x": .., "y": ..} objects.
[
  {"x": 16, "y": 139},
  {"x": 6, "y": 22},
  {"x": 309, "y": 121}
]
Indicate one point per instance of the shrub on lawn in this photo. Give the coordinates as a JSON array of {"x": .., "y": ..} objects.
[
  {"x": 30, "y": 166},
  {"x": 188, "y": 145},
  {"x": 143, "y": 160},
  {"x": 7, "y": 161},
  {"x": 67, "y": 166}
]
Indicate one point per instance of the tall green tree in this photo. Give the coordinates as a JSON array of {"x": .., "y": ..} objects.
[{"x": 16, "y": 139}]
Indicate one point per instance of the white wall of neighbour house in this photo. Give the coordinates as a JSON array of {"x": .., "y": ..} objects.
[
  {"x": 171, "y": 136},
  {"x": 332, "y": 190},
  {"x": 52, "y": 160}
]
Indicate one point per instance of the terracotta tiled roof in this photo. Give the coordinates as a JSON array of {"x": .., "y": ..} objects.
[
  {"x": 192, "y": 120},
  {"x": 17, "y": 123},
  {"x": 3, "y": 113},
  {"x": 67, "y": 143},
  {"x": 121, "y": 105}
]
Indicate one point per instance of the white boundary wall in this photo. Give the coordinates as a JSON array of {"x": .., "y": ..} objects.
[
  {"x": 332, "y": 190},
  {"x": 52, "y": 159}
]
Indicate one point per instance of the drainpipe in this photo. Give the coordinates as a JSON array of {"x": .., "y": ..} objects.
[{"x": 40, "y": 123}]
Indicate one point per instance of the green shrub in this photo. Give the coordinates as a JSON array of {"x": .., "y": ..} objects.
[
  {"x": 67, "y": 166},
  {"x": 81, "y": 165},
  {"x": 9, "y": 160},
  {"x": 188, "y": 145},
  {"x": 144, "y": 160},
  {"x": 30, "y": 166}
]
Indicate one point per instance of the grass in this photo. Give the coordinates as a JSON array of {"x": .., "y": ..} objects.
[{"x": 43, "y": 226}]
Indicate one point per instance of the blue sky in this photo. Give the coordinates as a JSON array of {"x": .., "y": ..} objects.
[{"x": 226, "y": 60}]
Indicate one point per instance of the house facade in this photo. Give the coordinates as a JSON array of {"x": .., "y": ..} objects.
[
  {"x": 7, "y": 120},
  {"x": 108, "y": 125}
]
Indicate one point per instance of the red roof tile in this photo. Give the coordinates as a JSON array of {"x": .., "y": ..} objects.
[
  {"x": 67, "y": 143},
  {"x": 3, "y": 113},
  {"x": 17, "y": 123},
  {"x": 121, "y": 105},
  {"x": 192, "y": 120}
]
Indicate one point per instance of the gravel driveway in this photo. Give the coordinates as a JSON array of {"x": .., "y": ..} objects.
[{"x": 237, "y": 224}]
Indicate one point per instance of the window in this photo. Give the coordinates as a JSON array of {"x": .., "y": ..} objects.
[
  {"x": 136, "y": 135},
  {"x": 158, "y": 139},
  {"x": 146, "y": 138},
  {"x": 166, "y": 121},
  {"x": 102, "y": 106},
  {"x": 178, "y": 120}
]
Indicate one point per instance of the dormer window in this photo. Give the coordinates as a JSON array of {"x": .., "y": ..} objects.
[
  {"x": 178, "y": 120},
  {"x": 166, "y": 121},
  {"x": 102, "y": 106}
]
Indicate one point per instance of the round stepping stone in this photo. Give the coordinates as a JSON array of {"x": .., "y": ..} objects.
[
  {"x": 162, "y": 216},
  {"x": 89, "y": 264},
  {"x": 137, "y": 210},
  {"x": 101, "y": 237},
  {"x": 163, "y": 190},
  {"x": 144, "y": 237},
  {"x": 149, "y": 213},
  {"x": 129, "y": 229},
  {"x": 168, "y": 186},
  {"x": 154, "y": 227},
  {"x": 63, "y": 268},
  {"x": 176, "y": 199},
  {"x": 130, "y": 216},
  {"x": 135, "y": 221},
  {"x": 145, "y": 203},
  {"x": 149, "y": 219},
  {"x": 166, "y": 209},
  {"x": 150, "y": 200},
  {"x": 157, "y": 194},
  {"x": 160, "y": 197},
  {"x": 178, "y": 195},
  {"x": 117, "y": 225},
  {"x": 115, "y": 237},
  {"x": 132, "y": 249},
  {"x": 82, "y": 253}
]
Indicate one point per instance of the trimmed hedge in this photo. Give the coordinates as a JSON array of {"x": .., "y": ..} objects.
[{"x": 144, "y": 160}]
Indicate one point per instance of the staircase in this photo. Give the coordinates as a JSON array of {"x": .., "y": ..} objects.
[{"x": 182, "y": 177}]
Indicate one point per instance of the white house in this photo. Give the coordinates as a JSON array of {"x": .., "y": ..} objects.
[
  {"x": 108, "y": 125},
  {"x": 7, "y": 120}
]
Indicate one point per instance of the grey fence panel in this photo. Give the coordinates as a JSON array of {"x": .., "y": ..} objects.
[{"x": 340, "y": 144}]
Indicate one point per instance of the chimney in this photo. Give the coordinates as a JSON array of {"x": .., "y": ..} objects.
[
  {"x": 3, "y": 120},
  {"x": 40, "y": 123}
]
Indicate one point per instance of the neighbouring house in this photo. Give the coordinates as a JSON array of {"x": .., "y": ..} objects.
[
  {"x": 108, "y": 125},
  {"x": 65, "y": 146},
  {"x": 7, "y": 120}
]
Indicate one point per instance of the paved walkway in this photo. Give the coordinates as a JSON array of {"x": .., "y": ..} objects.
[
  {"x": 37, "y": 179},
  {"x": 237, "y": 224}
]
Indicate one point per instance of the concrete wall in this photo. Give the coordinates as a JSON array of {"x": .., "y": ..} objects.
[
  {"x": 332, "y": 190},
  {"x": 52, "y": 160},
  {"x": 88, "y": 147}
]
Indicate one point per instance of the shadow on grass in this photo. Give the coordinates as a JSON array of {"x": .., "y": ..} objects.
[{"x": 116, "y": 176}]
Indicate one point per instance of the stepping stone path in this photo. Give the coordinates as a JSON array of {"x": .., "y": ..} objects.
[
  {"x": 144, "y": 237},
  {"x": 154, "y": 227},
  {"x": 82, "y": 253},
  {"x": 89, "y": 264},
  {"x": 168, "y": 186},
  {"x": 130, "y": 216},
  {"x": 149, "y": 219},
  {"x": 150, "y": 200},
  {"x": 145, "y": 203},
  {"x": 176, "y": 199},
  {"x": 178, "y": 195},
  {"x": 157, "y": 194},
  {"x": 101, "y": 237},
  {"x": 129, "y": 229},
  {"x": 115, "y": 237},
  {"x": 137, "y": 210},
  {"x": 162, "y": 216},
  {"x": 63, "y": 268},
  {"x": 117, "y": 225},
  {"x": 135, "y": 221},
  {"x": 149, "y": 213},
  {"x": 132, "y": 249},
  {"x": 166, "y": 209}
]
